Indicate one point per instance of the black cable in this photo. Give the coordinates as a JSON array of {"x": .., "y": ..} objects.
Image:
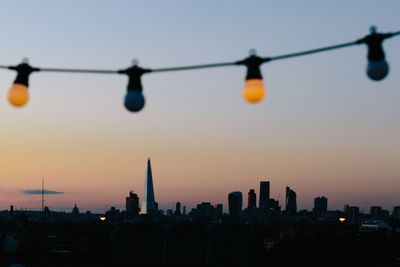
[
  {"x": 80, "y": 70},
  {"x": 308, "y": 52},
  {"x": 212, "y": 65}
]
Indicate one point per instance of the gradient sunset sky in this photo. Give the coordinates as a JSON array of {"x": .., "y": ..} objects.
[{"x": 325, "y": 128}]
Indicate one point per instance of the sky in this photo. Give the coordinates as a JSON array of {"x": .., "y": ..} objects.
[{"x": 324, "y": 129}]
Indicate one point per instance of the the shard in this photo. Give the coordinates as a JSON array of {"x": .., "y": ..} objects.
[{"x": 148, "y": 204}]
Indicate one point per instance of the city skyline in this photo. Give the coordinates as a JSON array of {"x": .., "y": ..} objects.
[
  {"x": 150, "y": 206},
  {"x": 324, "y": 129}
]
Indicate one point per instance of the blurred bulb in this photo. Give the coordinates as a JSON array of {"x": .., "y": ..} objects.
[
  {"x": 134, "y": 100},
  {"x": 18, "y": 95},
  {"x": 377, "y": 70},
  {"x": 254, "y": 90}
]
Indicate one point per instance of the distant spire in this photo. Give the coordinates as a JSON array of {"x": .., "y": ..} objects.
[
  {"x": 148, "y": 204},
  {"x": 42, "y": 196}
]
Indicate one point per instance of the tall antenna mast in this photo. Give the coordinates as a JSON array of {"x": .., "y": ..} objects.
[{"x": 42, "y": 195}]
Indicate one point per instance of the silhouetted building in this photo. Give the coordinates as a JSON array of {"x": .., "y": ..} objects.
[
  {"x": 46, "y": 213},
  {"x": 376, "y": 212},
  {"x": 148, "y": 204},
  {"x": 264, "y": 195},
  {"x": 11, "y": 210},
  {"x": 274, "y": 207},
  {"x": 252, "y": 199},
  {"x": 320, "y": 205},
  {"x": 184, "y": 210},
  {"x": 219, "y": 210},
  {"x": 113, "y": 214},
  {"x": 156, "y": 206},
  {"x": 178, "y": 208},
  {"x": 396, "y": 214},
  {"x": 352, "y": 214},
  {"x": 235, "y": 201},
  {"x": 132, "y": 205},
  {"x": 291, "y": 202},
  {"x": 203, "y": 212},
  {"x": 75, "y": 210}
]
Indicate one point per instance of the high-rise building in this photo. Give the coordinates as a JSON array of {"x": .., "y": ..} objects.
[
  {"x": 264, "y": 195},
  {"x": 252, "y": 199},
  {"x": 352, "y": 214},
  {"x": 132, "y": 204},
  {"x": 274, "y": 208},
  {"x": 376, "y": 212},
  {"x": 148, "y": 204},
  {"x": 291, "y": 202},
  {"x": 219, "y": 210},
  {"x": 235, "y": 201},
  {"x": 178, "y": 208},
  {"x": 320, "y": 205},
  {"x": 396, "y": 213}
]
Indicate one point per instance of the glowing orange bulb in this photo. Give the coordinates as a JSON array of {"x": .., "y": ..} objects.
[
  {"x": 254, "y": 90},
  {"x": 18, "y": 95}
]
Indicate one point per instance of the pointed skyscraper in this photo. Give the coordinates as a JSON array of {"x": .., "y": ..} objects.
[{"x": 148, "y": 204}]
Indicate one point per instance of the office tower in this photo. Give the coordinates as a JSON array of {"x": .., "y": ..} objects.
[
  {"x": 132, "y": 204},
  {"x": 204, "y": 209},
  {"x": 235, "y": 201},
  {"x": 219, "y": 210},
  {"x": 264, "y": 195},
  {"x": 291, "y": 202},
  {"x": 352, "y": 214},
  {"x": 396, "y": 213},
  {"x": 376, "y": 212},
  {"x": 274, "y": 207},
  {"x": 252, "y": 199},
  {"x": 184, "y": 210},
  {"x": 320, "y": 205},
  {"x": 113, "y": 214},
  {"x": 148, "y": 204},
  {"x": 178, "y": 208}
]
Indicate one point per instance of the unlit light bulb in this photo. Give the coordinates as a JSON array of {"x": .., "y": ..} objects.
[
  {"x": 377, "y": 70},
  {"x": 134, "y": 100},
  {"x": 254, "y": 91},
  {"x": 18, "y": 95}
]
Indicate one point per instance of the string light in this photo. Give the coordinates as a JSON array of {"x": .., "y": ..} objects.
[
  {"x": 254, "y": 89},
  {"x": 253, "y": 92},
  {"x": 18, "y": 94},
  {"x": 134, "y": 99},
  {"x": 377, "y": 68}
]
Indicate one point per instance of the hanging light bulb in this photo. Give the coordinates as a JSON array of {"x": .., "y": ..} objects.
[
  {"x": 254, "y": 90},
  {"x": 377, "y": 67},
  {"x": 18, "y": 95},
  {"x": 134, "y": 99}
]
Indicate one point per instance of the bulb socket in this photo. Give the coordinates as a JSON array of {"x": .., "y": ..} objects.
[
  {"x": 23, "y": 71},
  {"x": 134, "y": 74},
  {"x": 253, "y": 64}
]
